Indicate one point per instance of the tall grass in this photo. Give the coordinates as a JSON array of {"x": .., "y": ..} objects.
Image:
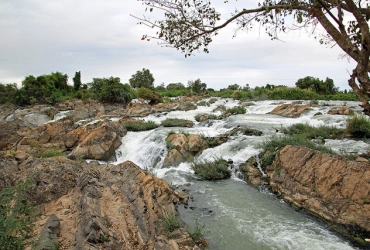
[
  {"x": 359, "y": 126},
  {"x": 310, "y": 132},
  {"x": 215, "y": 170},
  {"x": 170, "y": 222}
]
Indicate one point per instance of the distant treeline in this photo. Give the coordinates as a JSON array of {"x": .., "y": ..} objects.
[{"x": 53, "y": 88}]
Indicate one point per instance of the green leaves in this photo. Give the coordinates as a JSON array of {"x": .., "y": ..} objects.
[{"x": 16, "y": 216}]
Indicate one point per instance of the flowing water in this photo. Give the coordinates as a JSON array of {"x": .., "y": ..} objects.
[{"x": 236, "y": 215}]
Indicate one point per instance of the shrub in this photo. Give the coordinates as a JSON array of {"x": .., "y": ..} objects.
[
  {"x": 149, "y": 95},
  {"x": 212, "y": 170},
  {"x": 202, "y": 103},
  {"x": 140, "y": 126},
  {"x": 170, "y": 222},
  {"x": 174, "y": 92},
  {"x": 16, "y": 216},
  {"x": 358, "y": 126},
  {"x": 175, "y": 122},
  {"x": 236, "y": 110}
]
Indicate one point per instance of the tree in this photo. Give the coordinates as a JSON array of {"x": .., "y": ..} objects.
[
  {"x": 175, "y": 86},
  {"x": 142, "y": 79},
  {"x": 77, "y": 81},
  {"x": 234, "y": 86},
  {"x": 111, "y": 90},
  {"x": 321, "y": 87},
  {"x": 190, "y": 25},
  {"x": 197, "y": 86}
]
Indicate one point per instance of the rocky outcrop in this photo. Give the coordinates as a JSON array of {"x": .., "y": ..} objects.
[
  {"x": 93, "y": 206},
  {"x": 292, "y": 110},
  {"x": 100, "y": 143},
  {"x": 342, "y": 110},
  {"x": 138, "y": 109},
  {"x": 11, "y": 132},
  {"x": 182, "y": 148},
  {"x": 332, "y": 187}
]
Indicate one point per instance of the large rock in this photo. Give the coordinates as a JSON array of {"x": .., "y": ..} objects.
[
  {"x": 139, "y": 109},
  {"x": 101, "y": 206},
  {"x": 11, "y": 132},
  {"x": 100, "y": 143},
  {"x": 342, "y": 110},
  {"x": 334, "y": 188},
  {"x": 290, "y": 110},
  {"x": 183, "y": 148}
]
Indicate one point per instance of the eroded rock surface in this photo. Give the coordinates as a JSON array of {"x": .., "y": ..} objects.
[
  {"x": 331, "y": 187},
  {"x": 99, "y": 206},
  {"x": 292, "y": 110},
  {"x": 342, "y": 110}
]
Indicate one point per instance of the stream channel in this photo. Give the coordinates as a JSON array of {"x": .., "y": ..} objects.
[{"x": 235, "y": 214}]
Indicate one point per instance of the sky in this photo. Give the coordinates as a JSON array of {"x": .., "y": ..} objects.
[{"x": 101, "y": 39}]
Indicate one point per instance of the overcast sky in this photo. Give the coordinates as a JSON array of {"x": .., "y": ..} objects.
[{"x": 101, "y": 39}]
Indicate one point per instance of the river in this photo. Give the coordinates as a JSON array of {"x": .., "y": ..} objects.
[{"x": 235, "y": 214}]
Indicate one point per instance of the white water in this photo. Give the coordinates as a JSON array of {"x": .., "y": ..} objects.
[{"x": 236, "y": 215}]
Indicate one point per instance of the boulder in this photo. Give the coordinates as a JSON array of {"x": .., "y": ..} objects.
[
  {"x": 100, "y": 143},
  {"x": 183, "y": 148},
  {"x": 11, "y": 132},
  {"x": 334, "y": 188},
  {"x": 139, "y": 109},
  {"x": 342, "y": 110},
  {"x": 101, "y": 206},
  {"x": 290, "y": 110}
]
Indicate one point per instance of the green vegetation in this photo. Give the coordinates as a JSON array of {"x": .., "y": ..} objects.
[
  {"x": 358, "y": 126},
  {"x": 196, "y": 233},
  {"x": 111, "y": 90},
  {"x": 175, "y": 92},
  {"x": 272, "y": 146},
  {"x": 16, "y": 216},
  {"x": 141, "y": 79},
  {"x": 236, "y": 110},
  {"x": 197, "y": 86},
  {"x": 170, "y": 222},
  {"x": 317, "y": 85},
  {"x": 52, "y": 152},
  {"x": 175, "y": 122},
  {"x": 215, "y": 170},
  {"x": 310, "y": 132},
  {"x": 150, "y": 95},
  {"x": 210, "y": 116},
  {"x": 140, "y": 125}
]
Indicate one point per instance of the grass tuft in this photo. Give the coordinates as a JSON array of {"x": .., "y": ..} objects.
[
  {"x": 140, "y": 126},
  {"x": 170, "y": 222},
  {"x": 212, "y": 170},
  {"x": 359, "y": 126}
]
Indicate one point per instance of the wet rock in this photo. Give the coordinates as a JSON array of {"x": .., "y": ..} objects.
[
  {"x": 100, "y": 143},
  {"x": 332, "y": 187},
  {"x": 139, "y": 109},
  {"x": 342, "y": 110},
  {"x": 184, "y": 148},
  {"x": 290, "y": 110}
]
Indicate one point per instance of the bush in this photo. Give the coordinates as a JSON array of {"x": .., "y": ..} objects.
[
  {"x": 16, "y": 216},
  {"x": 170, "y": 222},
  {"x": 196, "y": 233},
  {"x": 140, "y": 126},
  {"x": 236, "y": 110},
  {"x": 175, "y": 122},
  {"x": 212, "y": 170},
  {"x": 358, "y": 126},
  {"x": 175, "y": 92},
  {"x": 150, "y": 95}
]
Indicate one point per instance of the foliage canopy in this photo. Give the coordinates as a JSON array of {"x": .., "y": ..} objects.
[{"x": 142, "y": 78}]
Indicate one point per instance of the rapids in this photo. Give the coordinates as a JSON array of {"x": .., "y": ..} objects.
[{"x": 236, "y": 215}]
